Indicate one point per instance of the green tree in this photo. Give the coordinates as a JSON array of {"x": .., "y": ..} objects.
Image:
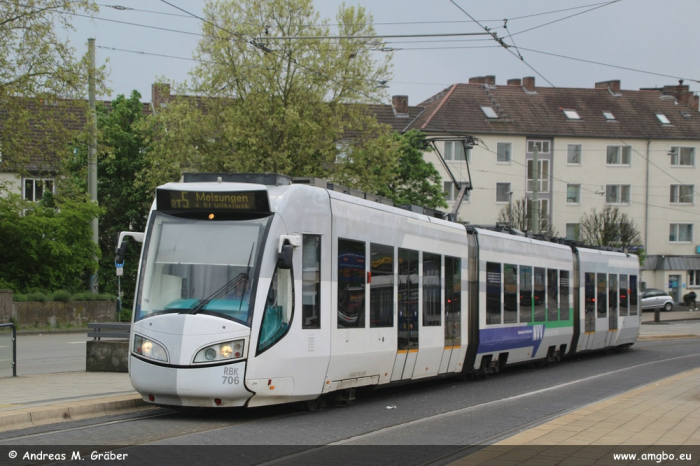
[
  {"x": 276, "y": 105},
  {"x": 45, "y": 248},
  {"x": 417, "y": 181},
  {"x": 121, "y": 152},
  {"x": 37, "y": 69}
]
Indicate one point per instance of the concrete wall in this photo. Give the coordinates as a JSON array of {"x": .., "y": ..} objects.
[
  {"x": 5, "y": 305},
  {"x": 54, "y": 313},
  {"x": 107, "y": 356}
]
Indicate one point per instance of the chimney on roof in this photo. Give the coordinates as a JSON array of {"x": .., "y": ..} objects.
[
  {"x": 490, "y": 80},
  {"x": 160, "y": 95},
  {"x": 613, "y": 85},
  {"x": 400, "y": 104},
  {"x": 682, "y": 93},
  {"x": 515, "y": 82},
  {"x": 476, "y": 80},
  {"x": 529, "y": 83}
]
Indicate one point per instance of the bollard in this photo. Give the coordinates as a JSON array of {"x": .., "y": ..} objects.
[{"x": 657, "y": 315}]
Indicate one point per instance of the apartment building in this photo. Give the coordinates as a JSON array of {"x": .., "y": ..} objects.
[{"x": 604, "y": 145}]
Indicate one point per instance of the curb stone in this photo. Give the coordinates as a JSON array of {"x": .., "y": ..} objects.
[{"x": 42, "y": 415}]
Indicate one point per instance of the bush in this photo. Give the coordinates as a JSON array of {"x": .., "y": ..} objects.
[
  {"x": 87, "y": 296},
  {"x": 19, "y": 297},
  {"x": 38, "y": 297},
  {"x": 61, "y": 295}
]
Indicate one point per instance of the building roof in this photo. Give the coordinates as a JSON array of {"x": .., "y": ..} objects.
[
  {"x": 671, "y": 263},
  {"x": 539, "y": 111},
  {"x": 398, "y": 121},
  {"x": 52, "y": 126}
]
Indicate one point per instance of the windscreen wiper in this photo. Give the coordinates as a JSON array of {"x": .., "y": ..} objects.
[{"x": 237, "y": 280}]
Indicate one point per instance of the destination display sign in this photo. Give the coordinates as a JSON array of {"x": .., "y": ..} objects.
[{"x": 212, "y": 201}]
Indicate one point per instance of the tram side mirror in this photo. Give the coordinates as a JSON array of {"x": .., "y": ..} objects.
[
  {"x": 121, "y": 252},
  {"x": 284, "y": 257}
]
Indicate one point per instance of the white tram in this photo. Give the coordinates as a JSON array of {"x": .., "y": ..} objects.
[{"x": 257, "y": 289}]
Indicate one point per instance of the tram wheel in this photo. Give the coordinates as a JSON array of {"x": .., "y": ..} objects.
[{"x": 311, "y": 405}]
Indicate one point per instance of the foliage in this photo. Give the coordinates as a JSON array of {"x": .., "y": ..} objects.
[
  {"x": 282, "y": 106},
  {"x": 61, "y": 296},
  {"x": 517, "y": 215},
  {"x": 87, "y": 296},
  {"x": 19, "y": 297},
  {"x": 45, "y": 248},
  {"x": 121, "y": 148},
  {"x": 417, "y": 182},
  {"x": 609, "y": 227},
  {"x": 38, "y": 69},
  {"x": 37, "y": 297}
]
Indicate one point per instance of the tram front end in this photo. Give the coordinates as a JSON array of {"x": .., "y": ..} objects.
[{"x": 196, "y": 292}]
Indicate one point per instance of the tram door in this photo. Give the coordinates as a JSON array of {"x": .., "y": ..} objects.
[
  {"x": 613, "y": 307},
  {"x": 408, "y": 315},
  {"x": 453, "y": 315}
]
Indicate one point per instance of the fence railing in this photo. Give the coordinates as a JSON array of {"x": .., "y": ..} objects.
[
  {"x": 14, "y": 347},
  {"x": 98, "y": 330}
]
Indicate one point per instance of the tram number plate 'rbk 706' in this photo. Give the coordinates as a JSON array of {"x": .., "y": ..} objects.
[{"x": 230, "y": 376}]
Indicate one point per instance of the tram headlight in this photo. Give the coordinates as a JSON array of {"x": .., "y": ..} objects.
[
  {"x": 149, "y": 349},
  {"x": 221, "y": 352}
]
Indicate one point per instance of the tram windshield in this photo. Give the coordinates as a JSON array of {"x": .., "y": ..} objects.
[{"x": 200, "y": 266}]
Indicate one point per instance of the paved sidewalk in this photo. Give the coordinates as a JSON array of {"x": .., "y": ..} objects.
[
  {"x": 27, "y": 401},
  {"x": 664, "y": 413}
]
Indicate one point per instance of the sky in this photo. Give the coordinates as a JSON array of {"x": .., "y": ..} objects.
[{"x": 658, "y": 37}]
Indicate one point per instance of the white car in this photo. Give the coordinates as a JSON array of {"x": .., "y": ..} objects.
[{"x": 656, "y": 299}]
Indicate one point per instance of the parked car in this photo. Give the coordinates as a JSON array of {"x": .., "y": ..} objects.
[{"x": 656, "y": 299}]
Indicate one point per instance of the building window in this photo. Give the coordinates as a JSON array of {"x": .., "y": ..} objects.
[
  {"x": 454, "y": 150},
  {"x": 617, "y": 194},
  {"x": 489, "y": 112},
  {"x": 503, "y": 150},
  {"x": 680, "y": 233},
  {"x": 663, "y": 119},
  {"x": 542, "y": 146},
  {"x": 682, "y": 193},
  {"x": 451, "y": 191},
  {"x": 683, "y": 156},
  {"x": 34, "y": 189},
  {"x": 503, "y": 192},
  {"x": 609, "y": 116},
  {"x": 694, "y": 277},
  {"x": 572, "y": 231},
  {"x": 572, "y": 114},
  {"x": 573, "y": 154},
  {"x": 573, "y": 193},
  {"x": 619, "y": 155},
  {"x": 543, "y": 177}
]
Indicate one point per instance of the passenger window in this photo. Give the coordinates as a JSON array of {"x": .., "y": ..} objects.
[
  {"x": 540, "y": 295},
  {"x": 351, "y": 284},
  {"x": 525, "y": 294},
  {"x": 432, "y": 281},
  {"x": 633, "y": 295},
  {"x": 493, "y": 293},
  {"x": 408, "y": 299},
  {"x": 453, "y": 301},
  {"x": 602, "y": 297},
  {"x": 311, "y": 282},
  {"x": 552, "y": 295},
  {"x": 510, "y": 294},
  {"x": 279, "y": 309},
  {"x": 381, "y": 288},
  {"x": 564, "y": 301}
]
